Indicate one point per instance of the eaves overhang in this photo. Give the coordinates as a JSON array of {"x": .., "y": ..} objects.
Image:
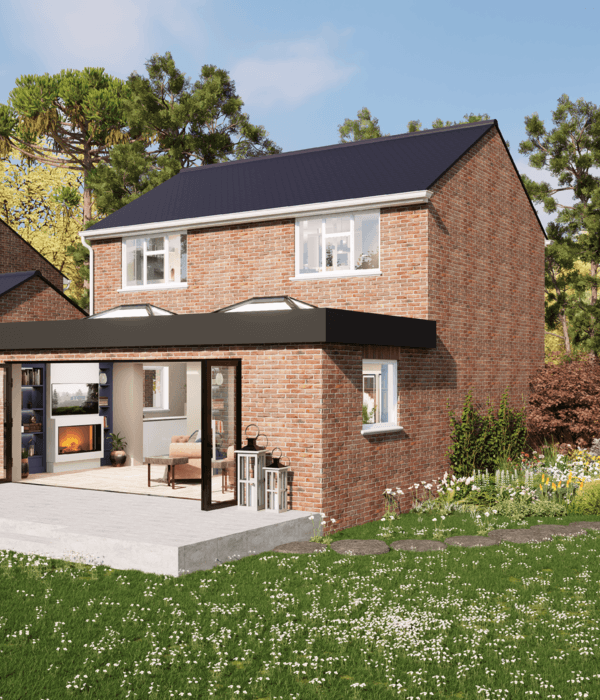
[
  {"x": 310, "y": 326},
  {"x": 244, "y": 217}
]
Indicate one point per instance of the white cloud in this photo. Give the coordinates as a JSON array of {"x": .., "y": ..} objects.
[
  {"x": 291, "y": 72},
  {"x": 118, "y": 35}
]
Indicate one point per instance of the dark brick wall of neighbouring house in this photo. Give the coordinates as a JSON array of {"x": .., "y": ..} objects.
[
  {"x": 35, "y": 300},
  {"x": 18, "y": 256}
]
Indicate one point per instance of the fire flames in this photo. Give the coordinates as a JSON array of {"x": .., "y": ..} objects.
[{"x": 75, "y": 439}]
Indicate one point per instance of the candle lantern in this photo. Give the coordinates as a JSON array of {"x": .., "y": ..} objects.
[
  {"x": 251, "y": 460},
  {"x": 276, "y": 479}
]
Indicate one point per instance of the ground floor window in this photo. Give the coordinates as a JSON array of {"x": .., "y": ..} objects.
[
  {"x": 156, "y": 388},
  {"x": 380, "y": 395}
]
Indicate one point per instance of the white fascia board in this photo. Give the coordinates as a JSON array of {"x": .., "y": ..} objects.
[{"x": 343, "y": 205}]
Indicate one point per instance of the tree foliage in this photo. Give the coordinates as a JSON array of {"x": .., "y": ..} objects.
[
  {"x": 569, "y": 151},
  {"x": 416, "y": 125},
  {"x": 173, "y": 124},
  {"x": 363, "y": 127},
  {"x": 68, "y": 120},
  {"x": 43, "y": 205}
]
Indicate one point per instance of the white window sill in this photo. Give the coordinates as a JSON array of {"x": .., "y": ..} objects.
[
  {"x": 148, "y": 420},
  {"x": 143, "y": 288},
  {"x": 330, "y": 275},
  {"x": 381, "y": 428}
]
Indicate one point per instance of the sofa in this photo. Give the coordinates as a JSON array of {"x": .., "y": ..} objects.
[{"x": 181, "y": 447}]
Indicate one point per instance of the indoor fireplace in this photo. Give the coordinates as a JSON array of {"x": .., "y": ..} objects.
[{"x": 74, "y": 439}]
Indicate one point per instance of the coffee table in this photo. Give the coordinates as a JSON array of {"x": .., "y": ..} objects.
[{"x": 170, "y": 462}]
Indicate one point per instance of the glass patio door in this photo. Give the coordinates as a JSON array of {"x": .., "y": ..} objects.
[
  {"x": 6, "y": 398},
  {"x": 221, "y": 432}
]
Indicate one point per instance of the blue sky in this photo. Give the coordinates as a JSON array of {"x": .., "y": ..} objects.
[{"x": 303, "y": 67}]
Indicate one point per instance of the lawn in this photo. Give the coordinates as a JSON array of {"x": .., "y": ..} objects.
[{"x": 510, "y": 621}]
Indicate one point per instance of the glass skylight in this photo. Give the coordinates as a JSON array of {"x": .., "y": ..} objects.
[
  {"x": 131, "y": 310},
  {"x": 267, "y": 304}
]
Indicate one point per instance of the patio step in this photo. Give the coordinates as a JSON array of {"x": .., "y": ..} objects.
[{"x": 126, "y": 531}]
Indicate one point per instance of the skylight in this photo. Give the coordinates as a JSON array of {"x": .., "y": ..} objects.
[
  {"x": 267, "y": 304},
  {"x": 132, "y": 310}
]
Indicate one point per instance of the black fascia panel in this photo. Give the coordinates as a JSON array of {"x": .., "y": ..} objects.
[{"x": 236, "y": 328}]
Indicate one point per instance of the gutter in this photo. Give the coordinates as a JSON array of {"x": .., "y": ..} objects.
[
  {"x": 324, "y": 208},
  {"x": 89, "y": 247}
]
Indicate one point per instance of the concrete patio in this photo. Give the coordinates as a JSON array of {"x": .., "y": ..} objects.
[{"x": 170, "y": 536}]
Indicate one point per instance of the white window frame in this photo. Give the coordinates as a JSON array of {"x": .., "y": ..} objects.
[
  {"x": 165, "y": 252},
  {"x": 164, "y": 381},
  {"x": 369, "y": 366},
  {"x": 299, "y": 275}
]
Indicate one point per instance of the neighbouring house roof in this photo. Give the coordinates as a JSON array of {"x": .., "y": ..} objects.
[
  {"x": 407, "y": 163},
  {"x": 12, "y": 280},
  {"x": 307, "y": 326},
  {"x": 133, "y": 310}
]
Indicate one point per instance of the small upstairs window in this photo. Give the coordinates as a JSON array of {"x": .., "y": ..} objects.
[
  {"x": 342, "y": 245},
  {"x": 155, "y": 261}
]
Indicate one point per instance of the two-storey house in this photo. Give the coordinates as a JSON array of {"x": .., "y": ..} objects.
[{"x": 342, "y": 299}]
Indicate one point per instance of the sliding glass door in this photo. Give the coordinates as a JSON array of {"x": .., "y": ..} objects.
[{"x": 221, "y": 431}]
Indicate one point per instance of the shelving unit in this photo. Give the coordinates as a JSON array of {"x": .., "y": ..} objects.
[
  {"x": 105, "y": 391},
  {"x": 33, "y": 404}
]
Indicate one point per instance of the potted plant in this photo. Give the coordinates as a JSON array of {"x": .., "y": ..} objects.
[
  {"x": 24, "y": 463},
  {"x": 118, "y": 445}
]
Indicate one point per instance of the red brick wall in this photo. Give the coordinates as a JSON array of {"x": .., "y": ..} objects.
[
  {"x": 230, "y": 264},
  {"x": 281, "y": 393},
  {"x": 18, "y": 256},
  {"x": 485, "y": 275},
  {"x": 34, "y": 300},
  {"x": 472, "y": 259}
]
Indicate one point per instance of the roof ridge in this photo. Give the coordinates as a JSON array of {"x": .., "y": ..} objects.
[{"x": 363, "y": 142}]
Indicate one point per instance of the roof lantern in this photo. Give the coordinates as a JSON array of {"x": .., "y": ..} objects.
[
  {"x": 131, "y": 310},
  {"x": 266, "y": 304}
]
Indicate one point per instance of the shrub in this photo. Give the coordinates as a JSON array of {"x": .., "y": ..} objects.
[
  {"x": 587, "y": 500},
  {"x": 564, "y": 403},
  {"x": 482, "y": 443}
]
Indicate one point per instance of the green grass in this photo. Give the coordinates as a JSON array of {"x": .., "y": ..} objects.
[{"x": 512, "y": 621}]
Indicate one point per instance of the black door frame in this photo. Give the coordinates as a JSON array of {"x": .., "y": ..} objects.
[
  {"x": 8, "y": 421},
  {"x": 207, "y": 428}
]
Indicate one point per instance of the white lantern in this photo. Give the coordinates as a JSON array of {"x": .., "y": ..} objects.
[
  {"x": 251, "y": 461},
  {"x": 276, "y": 478}
]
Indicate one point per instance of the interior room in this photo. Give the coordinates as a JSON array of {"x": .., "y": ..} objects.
[{"x": 70, "y": 413}]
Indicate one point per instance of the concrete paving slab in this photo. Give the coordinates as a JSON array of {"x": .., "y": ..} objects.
[{"x": 128, "y": 531}]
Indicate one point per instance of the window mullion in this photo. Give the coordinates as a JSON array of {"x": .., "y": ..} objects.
[{"x": 351, "y": 265}]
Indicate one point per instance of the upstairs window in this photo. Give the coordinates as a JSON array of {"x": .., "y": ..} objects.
[
  {"x": 155, "y": 261},
  {"x": 343, "y": 245}
]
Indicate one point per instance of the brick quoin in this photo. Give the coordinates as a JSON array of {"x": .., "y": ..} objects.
[{"x": 471, "y": 259}]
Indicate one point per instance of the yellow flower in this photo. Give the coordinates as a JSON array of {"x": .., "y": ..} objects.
[
  {"x": 541, "y": 488},
  {"x": 554, "y": 486},
  {"x": 559, "y": 484}
]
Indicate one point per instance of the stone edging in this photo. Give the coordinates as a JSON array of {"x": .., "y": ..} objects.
[{"x": 535, "y": 533}]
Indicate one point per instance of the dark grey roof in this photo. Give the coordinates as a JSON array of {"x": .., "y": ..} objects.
[
  {"x": 389, "y": 165},
  {"x": 10, "y": 280},
  {"x": 257, "y": 328}
]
